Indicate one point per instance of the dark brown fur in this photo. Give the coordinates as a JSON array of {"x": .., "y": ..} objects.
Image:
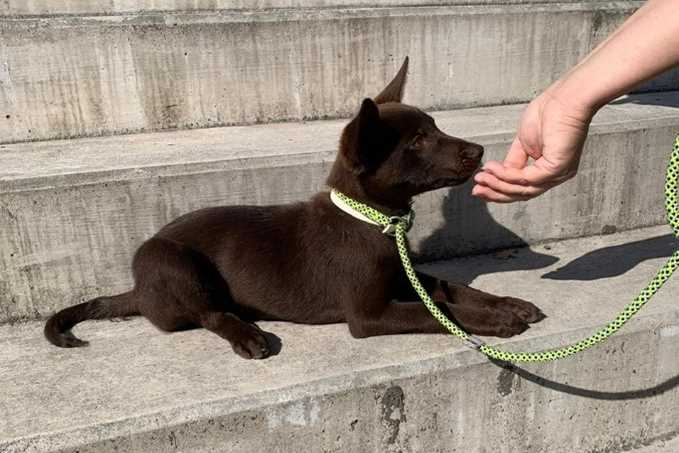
[{"x": 223, "y": 268}]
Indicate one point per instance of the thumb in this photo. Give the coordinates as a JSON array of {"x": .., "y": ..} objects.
[{"x": 516, "y": 156}]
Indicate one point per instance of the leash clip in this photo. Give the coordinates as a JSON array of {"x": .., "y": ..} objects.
[
  {"x": 395, "y": 221},
  {"x": 390, "y": 228}
]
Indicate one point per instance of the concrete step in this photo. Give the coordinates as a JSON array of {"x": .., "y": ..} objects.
[
  {"x": 162, "y": 70},
  {"x": 74, "y": 211},
  {"x": 669, "y": 444},
  {"x": 15, "y": 8},
  {"x": 138, "y": 390}
]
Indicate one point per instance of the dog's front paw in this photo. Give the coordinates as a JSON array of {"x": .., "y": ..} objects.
[
  {"x": 509, "y": 326},
  {"x": 526, "y": 311},
  {"x": 488, "y": 321},
  {"x": 250, "y": 343}
]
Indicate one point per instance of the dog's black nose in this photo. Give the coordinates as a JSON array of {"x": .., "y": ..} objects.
[{"x": 473, "y": 151}]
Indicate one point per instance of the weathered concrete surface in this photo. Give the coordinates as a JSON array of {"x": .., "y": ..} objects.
[
  {"x": 58, "y": 7},
  {"x": 668, "y": 445},
  {"x": 137, "y": 390},
  {"x": 74, "y": 211},
  {"x": 153, "y": 71}
]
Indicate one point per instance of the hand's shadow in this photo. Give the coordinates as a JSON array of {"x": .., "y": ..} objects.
[{"x": 615, "y": 260}]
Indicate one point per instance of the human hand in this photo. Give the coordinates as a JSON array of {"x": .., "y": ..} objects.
[{"x": 552, "y": 132}]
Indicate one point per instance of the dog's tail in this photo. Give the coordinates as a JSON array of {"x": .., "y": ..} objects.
[{"x": 58, "y": 327}]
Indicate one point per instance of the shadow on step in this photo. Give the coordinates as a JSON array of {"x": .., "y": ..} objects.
[
  {"x": 469, "y": 229},
  {"x": 615, "y": 260},
  {"x": 667, "y": 99},
  {"x": 650, "y": 392}
]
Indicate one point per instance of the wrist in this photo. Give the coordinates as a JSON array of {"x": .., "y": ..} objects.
[{"x": 580, "y": 99}]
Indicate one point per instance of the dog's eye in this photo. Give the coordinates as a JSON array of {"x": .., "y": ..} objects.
[{"x": 416, "y": 141}]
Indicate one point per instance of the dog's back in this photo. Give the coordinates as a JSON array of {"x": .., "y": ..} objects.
[{"x": 304, "y": 256}]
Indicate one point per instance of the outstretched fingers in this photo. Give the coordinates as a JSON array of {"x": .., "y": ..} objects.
[{"x": 508, "y": 182}]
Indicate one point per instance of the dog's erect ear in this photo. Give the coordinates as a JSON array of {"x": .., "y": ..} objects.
[
  {"x": 365, "y": 141},
  {"x": 394, "y": 91}
]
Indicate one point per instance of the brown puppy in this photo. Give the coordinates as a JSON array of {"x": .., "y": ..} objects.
[{"x": 223, "y": 268}]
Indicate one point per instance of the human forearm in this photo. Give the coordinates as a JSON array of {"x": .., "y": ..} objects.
[{"x": 646, "y": 45}]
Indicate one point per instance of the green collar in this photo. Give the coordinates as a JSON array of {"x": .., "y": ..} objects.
[{"x": 371, "y": 215}]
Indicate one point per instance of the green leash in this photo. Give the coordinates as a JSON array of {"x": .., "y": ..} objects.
[{"x": 398, "y": 226}]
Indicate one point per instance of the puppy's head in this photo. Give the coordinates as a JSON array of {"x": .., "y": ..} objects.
[{"x": 394, "y": 151}]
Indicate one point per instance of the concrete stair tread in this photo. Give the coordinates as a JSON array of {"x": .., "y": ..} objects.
[
  {"x": 669, "y": 445},
  {"x": 79, "y": 161},
  {"x": 134, "y": 379},
  {"x": 312, "y": 13},
  {"x": 22, "y": 7}
]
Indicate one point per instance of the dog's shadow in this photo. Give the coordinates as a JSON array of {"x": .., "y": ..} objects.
[{"x": 476, "y": 232}]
